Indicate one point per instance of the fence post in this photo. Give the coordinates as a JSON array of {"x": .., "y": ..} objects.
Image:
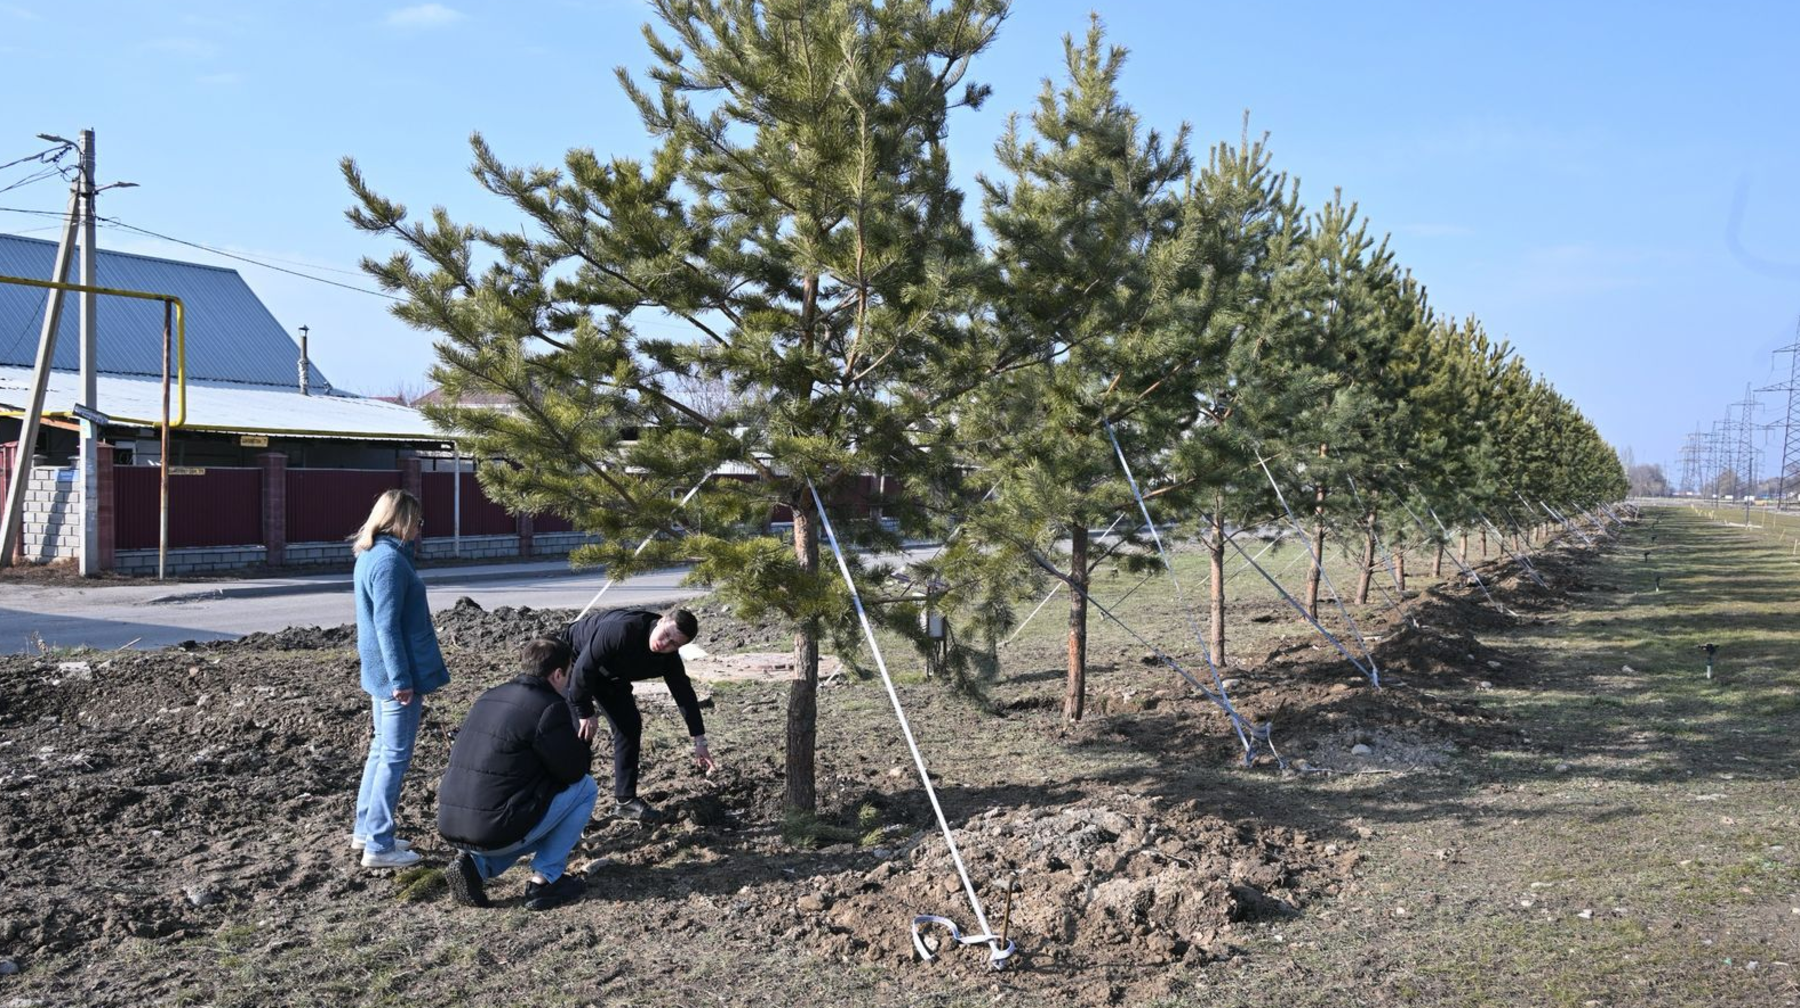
[
  {"x": 9, "y": 458},
  {"x": 410, "y": 478},
  {"x": 274, "y": 507},
  {"x": 107, "y": 512}
]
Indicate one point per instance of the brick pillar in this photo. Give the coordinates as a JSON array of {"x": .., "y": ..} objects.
[
  {"x": 274, "y": 507},
  {"x": 410, "y": 479},
  {"x": 527, "y": 525},
  {"x": 108, "y": 516},
  {"x": 9, "y": 458}
]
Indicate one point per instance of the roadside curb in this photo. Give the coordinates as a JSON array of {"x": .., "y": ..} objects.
[{"x": 345, "y": 582}]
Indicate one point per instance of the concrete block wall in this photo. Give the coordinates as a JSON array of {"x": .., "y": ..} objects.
[
  {"x": 560, "y": 543},
  {"x": 190, "y": 560},
  {"x": 473, "y": 548},
  {"x": 301, "y": 554},
  {"x": 50, "y": 527}
]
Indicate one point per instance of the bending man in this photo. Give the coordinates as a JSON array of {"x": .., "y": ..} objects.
[
  {"x": 518, "y": 785},
  {"x": 614, "y": 649}
]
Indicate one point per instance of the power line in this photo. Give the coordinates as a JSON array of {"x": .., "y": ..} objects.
[
  {"x": 242, "y": 258},
  {"x": 114, "y": 222}
]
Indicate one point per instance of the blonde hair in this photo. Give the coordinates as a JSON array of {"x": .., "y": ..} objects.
[{"x": 396, "y": 513}]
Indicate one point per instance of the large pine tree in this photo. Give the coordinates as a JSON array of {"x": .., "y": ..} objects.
[
  {"x": 797, "y": 220},
  {"x": 1078, "y": 223}
]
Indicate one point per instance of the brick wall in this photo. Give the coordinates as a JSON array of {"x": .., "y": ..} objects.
[{"x": 51, "y": 524}]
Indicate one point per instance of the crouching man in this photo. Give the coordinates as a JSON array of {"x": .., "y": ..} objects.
[{"x": 518, "y": 785}]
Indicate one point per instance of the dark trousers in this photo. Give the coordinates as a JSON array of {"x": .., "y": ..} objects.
[{"x": 616, "y": 702}]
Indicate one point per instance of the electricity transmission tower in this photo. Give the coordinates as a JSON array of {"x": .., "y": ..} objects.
[{"x": 1789, "y": 423}]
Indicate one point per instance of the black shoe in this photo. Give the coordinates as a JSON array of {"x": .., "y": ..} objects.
[
  {"x": 638, "y": 810},
  {"x": 567, "y": 888},
  {"x": 464, "y": 880}
]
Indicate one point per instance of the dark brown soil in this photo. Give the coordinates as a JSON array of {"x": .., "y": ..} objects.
[{"x": 176, "y": 822}]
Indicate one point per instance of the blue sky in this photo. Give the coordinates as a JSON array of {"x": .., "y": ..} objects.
[{"x": 1611, "y": 186}]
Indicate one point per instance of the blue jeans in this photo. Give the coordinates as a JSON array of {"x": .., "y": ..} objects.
[
  {"x": 390, "y": 753},
  {"x": 551, "y": 840}
]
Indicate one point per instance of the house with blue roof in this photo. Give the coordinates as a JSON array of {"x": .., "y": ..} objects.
[{"x": 262, "y": 467}]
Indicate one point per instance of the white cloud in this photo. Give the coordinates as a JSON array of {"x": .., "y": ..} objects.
[
  {"x": 1431, "y": 230},
  {"x": 191, "y": 48},
  {"x": 227, "y": 79},
  {"x": 427, "y": 15},
  {"x": 21, "y": 13}
]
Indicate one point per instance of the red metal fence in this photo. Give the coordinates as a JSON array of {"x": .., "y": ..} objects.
[
  {"x": 324, "y": 505},
  {"x": 480, "y": 516},
  {"x": 214, "y": 506}
]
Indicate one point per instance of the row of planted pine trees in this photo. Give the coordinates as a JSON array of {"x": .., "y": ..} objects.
[{"x": 791, "y": 291}]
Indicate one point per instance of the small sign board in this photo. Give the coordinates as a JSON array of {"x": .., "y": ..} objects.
[
  {"x": 91, "y": 415},
  {"x": 254, "y": 440},
  {"x": 187, "y": 470}
]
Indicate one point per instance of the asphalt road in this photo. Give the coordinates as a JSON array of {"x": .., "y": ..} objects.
[
  {"x": 157, "y": 615},
  {"x": 152, "y": 615}
]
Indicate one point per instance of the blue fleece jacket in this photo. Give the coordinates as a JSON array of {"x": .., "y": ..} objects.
[{"x": 394, "y": 635}]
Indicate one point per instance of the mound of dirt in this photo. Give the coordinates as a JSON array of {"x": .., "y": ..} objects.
[{"x": 1122, "y": 877}]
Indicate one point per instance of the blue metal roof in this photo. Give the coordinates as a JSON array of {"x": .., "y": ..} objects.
[{"x": 230, "y": 334}]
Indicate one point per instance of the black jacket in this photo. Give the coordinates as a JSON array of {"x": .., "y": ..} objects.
[
  {"x": 612, "y": 649},
  {"x": 516, "y": 750}
]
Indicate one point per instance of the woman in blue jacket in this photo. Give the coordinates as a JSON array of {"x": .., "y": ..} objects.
[{"x": 400, "y": 664}]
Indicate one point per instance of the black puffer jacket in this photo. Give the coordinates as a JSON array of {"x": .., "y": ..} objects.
[{"x": 516, "y": 750}]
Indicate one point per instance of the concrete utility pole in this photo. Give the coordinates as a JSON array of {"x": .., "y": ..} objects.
[
  {"x": 90, "y": 381},
  {"x": 40, "y": 381}
]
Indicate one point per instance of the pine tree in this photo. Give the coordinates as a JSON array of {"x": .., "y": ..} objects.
[
  {"x": 1242, "y": 298},
  {"x": 798, "y": 222},
  {"x": 1078, "y": 224}
]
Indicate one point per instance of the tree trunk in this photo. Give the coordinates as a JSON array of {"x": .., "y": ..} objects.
[
  {"x": 1400, "y": 570},
  {"x": 1367, "y": 574},
  {"x": 1437, "y": 563},
  {"x": 1075, "y": 696},
  {"x": 1316, "y": 571},
  {"x": 803, "y": 692},
  {"x": 1465, "y": 549},
  {"x": 1484, "y": 544},
  {"x": 1215, "y": 550}
]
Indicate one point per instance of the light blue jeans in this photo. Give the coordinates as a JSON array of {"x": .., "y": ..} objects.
[
  {"x": 551, "y": 840},
  {"x": 390, "y": 753}
]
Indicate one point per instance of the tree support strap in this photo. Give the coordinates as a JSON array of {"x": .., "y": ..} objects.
[
  {"x": 997, "y": 958},
  {"x": 1466, "y": 569},
  {"x": 1373, "y": 672},
  {"x": 997, "y": 954},
  {"x": 1245, "y": 731}
]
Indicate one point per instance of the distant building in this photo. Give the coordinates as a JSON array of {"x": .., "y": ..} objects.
[{"x": 261, "y": 472}]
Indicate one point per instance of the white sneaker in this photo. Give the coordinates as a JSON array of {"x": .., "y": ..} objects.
[
  {"x": 358, "y": 843},
  {"x": 396, "y": 858}
]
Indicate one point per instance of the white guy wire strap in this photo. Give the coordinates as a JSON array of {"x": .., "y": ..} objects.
[
  {"x": 1554, "y": 515},
  {"x": 1460, "y": 563},
  {"x": 1374, "y": 670},
  {"x": 1522, "y": 559},
  {"x": 640, "y": 548},
  {"x": 923, "y": 921},
  {"x": 1292, "y": 601},
  {"x": 1054, "y": 589},
  {"x": 1500, "y": 540},
  {"x": 1238, "y": 721},
  {"x": 1524, "y": 554},
  {"x": 1180, "y": 597},
  {"x": 997, "y": 954},
  {"x": 1244, "y": 567},
  {"x": 1566, "y": 523},
  {"x": 1386, "y": 561}
]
